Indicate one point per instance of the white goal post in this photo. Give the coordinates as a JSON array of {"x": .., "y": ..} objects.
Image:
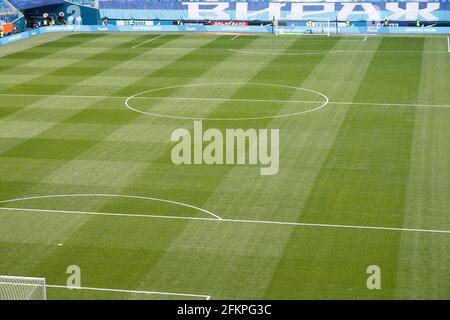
[
  {"x": 312, "y": 26},
  {"x": 22, "y": 288}
]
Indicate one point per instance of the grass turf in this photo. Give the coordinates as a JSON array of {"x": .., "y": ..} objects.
[{"x": 376, "y": 155}]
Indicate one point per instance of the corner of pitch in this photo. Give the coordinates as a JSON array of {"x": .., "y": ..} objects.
[{"x": 230, "y": 146}]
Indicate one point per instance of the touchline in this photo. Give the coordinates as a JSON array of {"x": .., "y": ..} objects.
[{"x": 234, "y": 147}]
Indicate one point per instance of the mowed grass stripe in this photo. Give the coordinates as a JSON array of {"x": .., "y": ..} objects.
[
  {"x": 352, "y": 188},
  {"x": 45, "y": 50},
  {"x": 423, "y": 261},
  {"x": 21, "y": 77}
]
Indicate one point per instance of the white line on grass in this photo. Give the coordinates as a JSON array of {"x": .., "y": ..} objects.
[
  {"x": 226, "y": 99},
  {"x": 365, "y": 38},
  {"x": 322, "y": 104},
  {"x": 285, "y": 223},
  {"x": 102, "y": 195},
  {"x": 235, "y": 37},
  {"x": 150, "y": 40},
  {"x": 309, "y": 52},
  {"x": 134, "y": 291},
  {"x": 448, "y": 44}
]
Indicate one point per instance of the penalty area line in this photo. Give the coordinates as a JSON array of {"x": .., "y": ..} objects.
[
  {"x": 206, "y": 297},
  {"x": 266, "y": 222}
]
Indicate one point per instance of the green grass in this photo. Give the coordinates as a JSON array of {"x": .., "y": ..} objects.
[{"x": 376, "y": 155}]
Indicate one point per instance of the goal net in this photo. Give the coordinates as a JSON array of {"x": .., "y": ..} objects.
[
  {"x": 312, "y": 26},
  {"x": 22, "y": 288}
]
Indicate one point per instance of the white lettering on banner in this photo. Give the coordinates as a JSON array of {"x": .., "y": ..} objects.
[
  {"x": 412, "y": 11},
  {"x": 216, "y": 10},
  {"x": 348, "y": 9},
  {"x": 297, "y": 10},
  {"x": 274, "y": 10},
  {"x": 241, "y": 10}
]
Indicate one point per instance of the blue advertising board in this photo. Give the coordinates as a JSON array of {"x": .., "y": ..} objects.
[{"x": 222, "y": 29}]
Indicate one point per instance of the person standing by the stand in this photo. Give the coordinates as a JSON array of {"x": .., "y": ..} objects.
[{"x": 274, "y": 26}]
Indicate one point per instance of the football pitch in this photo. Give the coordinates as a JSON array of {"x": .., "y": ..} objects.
[{"x": 87, "y": 178}]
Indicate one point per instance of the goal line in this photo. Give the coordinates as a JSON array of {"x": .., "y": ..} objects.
[
  {"x": 176, "y": 294},
  {"x": 29, "y": 288}
]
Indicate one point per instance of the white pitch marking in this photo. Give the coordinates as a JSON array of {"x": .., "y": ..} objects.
[
  {"x": 380, "y": 104},
  {"x": 323, "y": 103},
  {"x": 235, "y": 37},
  {"x": 134, "y": 291},
  {"x": 448, "y": 44},
  {"x": 91, "y": 213},
  {"x": 162, "y": 98},
  {"x": 365, "y": 38},
  {"x": 266, "y": 51},
  {"x": 308, "y": 52},
  {"x": 150, "y": 40},
  {"x": 225, "y": 99},
  {"x": 286, "y": 223},
  {"x": 101, "y": 195}
]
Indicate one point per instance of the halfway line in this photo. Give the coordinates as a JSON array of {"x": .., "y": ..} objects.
[{"x": 224, "y": 99}]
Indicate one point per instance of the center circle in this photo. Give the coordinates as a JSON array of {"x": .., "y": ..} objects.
[{"x": 221, "y": 88}]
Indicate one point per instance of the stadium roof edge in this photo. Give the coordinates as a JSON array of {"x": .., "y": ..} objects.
[{"x": 28, "y": 4}]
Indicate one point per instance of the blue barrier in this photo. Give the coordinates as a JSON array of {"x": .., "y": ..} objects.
[
  {"x": 20, "y": 36},
  {"x": 247, "y": 29},
  {"x": 224, "y": 29}
]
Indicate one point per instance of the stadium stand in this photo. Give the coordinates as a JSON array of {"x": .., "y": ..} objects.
[
  {"x": 26, "y": 4},
  {"x": 8, "y": 13},
  {"x": 290, "y": 16}
]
